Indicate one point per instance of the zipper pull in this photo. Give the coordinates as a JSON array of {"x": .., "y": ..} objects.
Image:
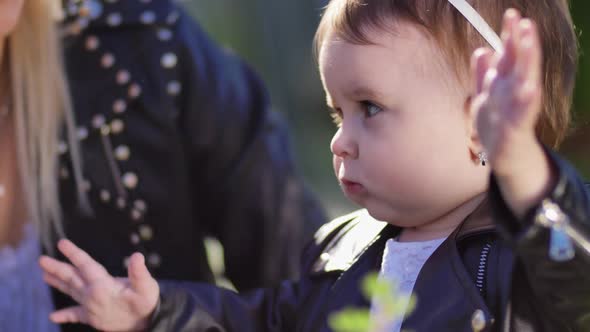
[{"x": 561, "y": 246}]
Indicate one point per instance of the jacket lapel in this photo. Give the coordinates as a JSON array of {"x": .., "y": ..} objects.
[
  {"x": 346, "y": 291},
  {"x": 446, "y": 294}
]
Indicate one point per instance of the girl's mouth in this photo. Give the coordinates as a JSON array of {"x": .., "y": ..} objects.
[{"x": 351, "y": 188}]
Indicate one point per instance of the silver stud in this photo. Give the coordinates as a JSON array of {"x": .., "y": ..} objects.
[
  {"x": 98, "y": 121},
  {"x": 147, "y": 17},
  {"x": 325, "y": 257},
  {"x": 140, "y": 205},
  {"x": 122, "y": 153},
  {"x": 107, "y": 60},
  {"x": 169, "y": 60},
  {"x": 119, "y": 106},
  {"x": 154, "y": 260},
  {"x": 134, "y": 90},
  {"x": 164, "y": 34},
  {"x": 130, "y": 180},
  {"x": 478, "y": 321},
  {"x": 134, "y": 238},
  {"x": 114, "y": 19},
  {"x": 173, "y": 88},
  {"x": 62, "y": 147},
  {"x": 135, "y": 215},
  {"x": 92, "y": 43},
  {"x": 123, "y": 77},
  {"x": 172, "y": 18},
  {"x": 121, "y": 203},
  {"x": 146, "y": 232},
  {"x": 105, "y": 130},
  {"x": 82, "y": 133},
  {"x": 117, "y": 126},
  {"x": 105, "y": 196}
]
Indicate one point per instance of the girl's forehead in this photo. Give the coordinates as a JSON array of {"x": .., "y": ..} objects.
[
  {"x": 407, "y": 49},
  {"x": 392, "y": 65}
]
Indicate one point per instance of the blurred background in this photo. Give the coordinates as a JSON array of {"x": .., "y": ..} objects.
[{"x": 275, "y": 37}]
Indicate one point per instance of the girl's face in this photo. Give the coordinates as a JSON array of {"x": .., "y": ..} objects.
[
  {"x": 404, "y": 148},
  {"x": 10, "y": 12}
]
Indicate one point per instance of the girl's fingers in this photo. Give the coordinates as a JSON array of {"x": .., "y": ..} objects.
[
  {"x": 528, "y": 71},
  {"x": 69, "y": 315},
  {"x": 66, "y": 287},
  {"x": 139, "y": 277},
  {"x": 62, "y": 276},
  {"x": 521, "y": 68},
  {"x": 510, "y": 39},
  {"x": 89, "y": 269},
  {"x": 481, "y": 61},
  {"x": 527, "y": 94},
  {"x": 530, "y": 48},
  {"x": 61, "y": 270},
  {"x": 509, "y": 20}
]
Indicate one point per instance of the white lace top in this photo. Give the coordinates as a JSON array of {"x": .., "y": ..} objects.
[
  {"x": 402, "y": 261},
  {"x": 25, "y": 300}
]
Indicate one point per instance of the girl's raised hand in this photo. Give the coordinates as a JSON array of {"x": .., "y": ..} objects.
[
  {"x": 106, "y": 303},
  {"x": 507, "y": 104}
]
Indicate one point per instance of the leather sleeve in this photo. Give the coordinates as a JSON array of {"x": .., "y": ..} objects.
[
  {"x": 186, "y": 306},
  {"x": 561, "y": 289},
  {"x": 201, "y": 307}
]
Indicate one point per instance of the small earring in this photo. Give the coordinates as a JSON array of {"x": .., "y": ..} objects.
[{"x": 483, "y": 158}]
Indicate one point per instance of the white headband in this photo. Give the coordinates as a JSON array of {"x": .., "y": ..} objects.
[{"x": 478, "y": 23}]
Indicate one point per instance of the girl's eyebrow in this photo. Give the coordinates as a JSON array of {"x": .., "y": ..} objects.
[
  {"x": 363, "y": 92},
  {"x": 356, "y": 93}
]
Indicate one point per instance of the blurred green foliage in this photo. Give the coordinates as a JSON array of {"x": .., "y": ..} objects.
[
  {"x": 388, "y": 307},
  {"x": 275, "y": 37}
]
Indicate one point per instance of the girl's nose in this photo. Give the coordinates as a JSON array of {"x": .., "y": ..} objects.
[{"x": 343, "y": 144}]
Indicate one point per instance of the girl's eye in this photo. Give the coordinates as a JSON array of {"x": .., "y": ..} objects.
[
  {"x": 336, "y": 115},
  {"x": 370, "y": 108}
]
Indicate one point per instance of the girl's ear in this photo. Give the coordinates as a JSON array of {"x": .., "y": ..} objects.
[
  {"x": 481, "y": 61},
  {"x": 473, "y": 141}
]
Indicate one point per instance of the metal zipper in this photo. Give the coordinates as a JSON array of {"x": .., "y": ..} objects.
[{"x": 481, "y": 271}]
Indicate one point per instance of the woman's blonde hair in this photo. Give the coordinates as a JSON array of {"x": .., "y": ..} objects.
[{"x": 40, "y": 105}]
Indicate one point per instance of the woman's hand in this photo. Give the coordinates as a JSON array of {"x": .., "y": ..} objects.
[
  {"x": 106, "y": 303},
  {"x": 507, "y": 105}
]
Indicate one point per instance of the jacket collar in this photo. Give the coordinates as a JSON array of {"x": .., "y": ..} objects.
[
  {"x": 479, "y": 221},
  {"x": 363, "y": 231}
]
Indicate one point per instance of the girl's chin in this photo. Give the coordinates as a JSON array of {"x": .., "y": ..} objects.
[
  {"x": 389, "y": 215},
  {"x": 381, "y": 214}
]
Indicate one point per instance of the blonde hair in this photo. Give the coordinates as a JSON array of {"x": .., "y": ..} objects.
[
  {"x": 352, "y": 19},
  {"x": 40, "y": 106}
]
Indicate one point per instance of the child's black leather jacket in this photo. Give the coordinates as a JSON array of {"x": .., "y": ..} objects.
[{"x": 522, "y": 290}]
